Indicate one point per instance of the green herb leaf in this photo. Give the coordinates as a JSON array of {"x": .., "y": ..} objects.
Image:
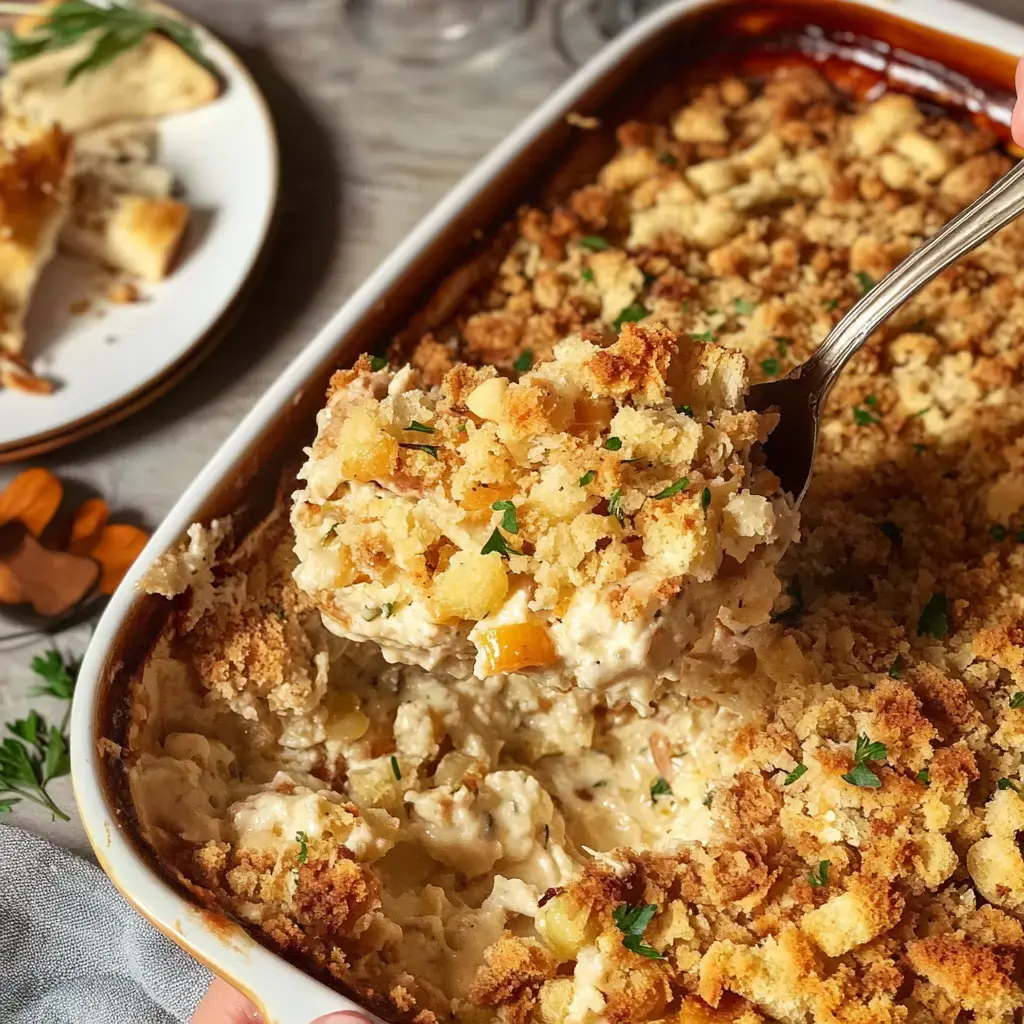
[
  {"x": 709, "y": 799},
  {"x": 783, "y": 344},
  {"x": 6, "y": 805},
  {"x": 660, "y": 787},
  {"x": 615, "y": 505},
  {"x": 771, "y": 367},
  {"x": 924, "y": 777},
  {"x": 863, "y": 418},
  {"x": 524, "y": 361},
  {"x": 387, "y": 609},
  {"x": 705, "y": 499},
  {"x": 587, "y": 478},
  {"x": 920, "y": 412},
  {"x": 998, "y": 532},
  {"x": 896, "y": 667},
  {"x": 865, "y": 280},
  {"x": 673, "y": 489},
  {"x": 496, "y": 542},
  {"x": 108, "y": 47},
  {"x": 818, "y": 878},
  {"x": 547, "y": 835},
  {"x": 637, "y": 311},
  {"x": 864, "y": 753},
  {"x": 632, "y": 921},
  {"x": 303, "y": 840},
  {"x": 58, "y": 677},
  {"x": 668, "y": 159},
  {"x": 377, "y": 363},
  {"x": 420, "y": 428},
  {"x": 706, "y": 336},
  {"x": 892, "y": 531},
  {"x": 797, "y": 773},
  {"x": 1017, "y": 700},
  {"x": 587, "y": 274},
  {"x": 395, "y": 770},
  {"x": 509, "y": 523},
  {"x": 686, "y": 410},
  {"x": 743, "y": 307},
  {"x": 871, "y": 400},
  {"x": 613, "y": 444},
  {"x": 934, "y": 618},
  {"x": 637, "y": 945},
  {"x": 831, "y": 305},
  {"x": 595, "y": 243},
  {"x": 429, "y": 449}
]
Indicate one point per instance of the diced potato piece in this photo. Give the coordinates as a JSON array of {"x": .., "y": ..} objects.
[
  {"x": 368, "y": 450},
  {"x": 591, "y": 416},
  {"x": 472, "y": 587},
  {"x": 515, "y": 647},
  {"x": 376, "y": 786},
  {"x": 486, "y": 399},
  {"x": 566, "y": 928}
]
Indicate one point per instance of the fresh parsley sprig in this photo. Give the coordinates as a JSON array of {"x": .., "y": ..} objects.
[
  {"x": 115, "y": 30},
  {"x": 863, "y": 754},
  {"x": 632, "y": 921}
]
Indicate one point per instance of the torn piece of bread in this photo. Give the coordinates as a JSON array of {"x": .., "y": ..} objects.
[
  {"x": 136, "y": 141},
  {"x": 123, "y": 175},
  {"x": 150, "y": 80},
  {"x": 35, "y": 187},
  {"x": 139, "y": 234}
]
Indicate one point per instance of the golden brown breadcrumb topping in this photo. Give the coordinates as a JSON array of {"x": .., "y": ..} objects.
[{"x": 863, "y": 864}]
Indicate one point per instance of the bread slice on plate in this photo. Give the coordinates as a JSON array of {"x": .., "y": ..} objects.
[
  {"x": 35, "y": 195},
  {"x": 150, "y": 80},
  {"x": 129, "y": 231}
]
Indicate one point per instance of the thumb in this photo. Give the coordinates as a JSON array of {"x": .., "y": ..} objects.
[
  {"x": 343, "y": 1017},
  {"x": 223, "y": 1005},
  {"x": 1017, "y": 124}
]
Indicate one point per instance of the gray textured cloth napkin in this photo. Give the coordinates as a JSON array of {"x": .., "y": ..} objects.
[{"x": 73, "y": 952}]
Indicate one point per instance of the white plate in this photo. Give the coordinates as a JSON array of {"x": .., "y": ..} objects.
[{"x": 225, "y": 157}]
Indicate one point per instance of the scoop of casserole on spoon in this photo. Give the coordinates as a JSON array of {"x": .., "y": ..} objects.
[{"x": 800, "y": 396}]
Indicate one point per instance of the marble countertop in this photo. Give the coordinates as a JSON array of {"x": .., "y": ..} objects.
[{"x": 367, "y": 149}]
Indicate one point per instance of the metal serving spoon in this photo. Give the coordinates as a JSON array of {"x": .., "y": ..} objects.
[{"x": 800, "y": 396}]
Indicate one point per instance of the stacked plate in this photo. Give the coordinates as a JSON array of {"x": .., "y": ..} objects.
[{"x": 109, "y": 360}]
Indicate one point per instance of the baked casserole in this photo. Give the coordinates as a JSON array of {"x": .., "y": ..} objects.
[{"x": 707, "y": 784}]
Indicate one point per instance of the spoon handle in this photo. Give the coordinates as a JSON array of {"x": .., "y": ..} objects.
[{"x": 983, "y": 218}]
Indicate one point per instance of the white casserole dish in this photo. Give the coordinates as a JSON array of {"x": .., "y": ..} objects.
[{"x": 284, "y": 992}]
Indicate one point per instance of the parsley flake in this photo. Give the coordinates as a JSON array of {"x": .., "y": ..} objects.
[
  {"x": 595, "y": 243},
  {"x": 632, "y": 922},
  {"x": 783, "y": 344},
  {"x": 797, "y": 773},
  {"x": 613, "y": 444},
  {"x": 863, "y": 754},
  {"x": 1007, "y": 784},
  {"x": 1017, "y": 700},
  {"x": 615, "y": 505},
  {"x": 863, "y": 418},
  {"x": 497, "y": 543},
  {"x": 587, "y": 478},
  {"x": 637, "y": 311},
  {"x": 686, "y": 410},
  {"x": 831, "y": 305},
  {"x": 865, "y": 280},
  {"x": 998, "y": 532},
  {"x": 668, "y": 159},
  {"x": 395, "y": 770},
  {"x": 673, "y": 489},
  {"x": 660, "y": 787},
  {"x": 428, "y": 449},
  {"x": 387, "y": 609},
  {"x": 420, "y": 428},
  {"x": 818, "y": 878},
  {"x": 586, "y": 274},
  {"x": 509, "y": 523},
  {"x": 919, "y": 413},
  {"x": 871, "y": 400},
  {"x": 705, "y": 499},
  {"x": 706, "y": 336},
  {"x": 377, "y": 363},
  {"x": 743, "y": 307},
  {"x": 524, "y": 361},
  {"x": 303, "y": 840},
  {"x": 771, "y": 367},
  {"x": 896, "y": 667},
  {"x": 924, "y": 777},
  {"x": 934, "y": 619}
]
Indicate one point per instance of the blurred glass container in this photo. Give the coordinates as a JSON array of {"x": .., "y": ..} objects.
[
  {"x": 582, "y": 27},
  {"x": 436, "y": 32}
]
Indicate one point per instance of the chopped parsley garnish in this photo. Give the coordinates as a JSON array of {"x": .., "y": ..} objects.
[
  {"x": 686, "y": 410},
  {"x": 863, "y": 754},
  {"x": 509, "y": 523},
  {"x": 587, "y": 274},
  {"x": 615, "y": 505},
  {"x": 547, "y": 835},
  {"x": 797, "y": 773},
  {"x": 934, "y": 619},
  {"x": 395, "y": 770},
  {"x": 863, "y": 418},
  {"x": 420, "y": 428},
  {"x": 587, "y": 478},
  {"x": 831, "y": 305},
  {"x": 673, "y": 489},
  {"x": 709, "y": 799},
  {"x": 865, "y": 280},
  {"x": 924, "y": 777},
  {"x": 706, "y": 336},
  {"x": 920, "y": 412},
  {"x": 613, "y": 444},
  {"x": 302, "y": 839},
  {"x": 892, "y": 531},
  {"x": 896, "y": 667},
  {"x": 772, "y": 367},
  {"x": 705, "y": 498},
  {"x": 429, "y": 449},
  {"x": 387, "y": 609},
  {"x": 783, "y": 344},
  {"x": 524, "y": 361},
  {"x": 377, "y": 363},
  {"x": 632, "y": 922},
  {"x": 818, "y": 878},
  {"x": 462, "y": 428},
  {"x": 595, "y": 243},
  {"x": 668, "y": 159},
  {"x": 743, "y": 307},
  {"x": 1017, "y": 700},
  {"x": 496, "y": 542},
  {"x": 637, "y": 311},
  {"x": 660, "y": 787},
  {"x": 918, "y": 448},
  {"x": 1007, "y": 784},
  {"x": 998, "y": 532},
  {"x": 871, "y": 400}
]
